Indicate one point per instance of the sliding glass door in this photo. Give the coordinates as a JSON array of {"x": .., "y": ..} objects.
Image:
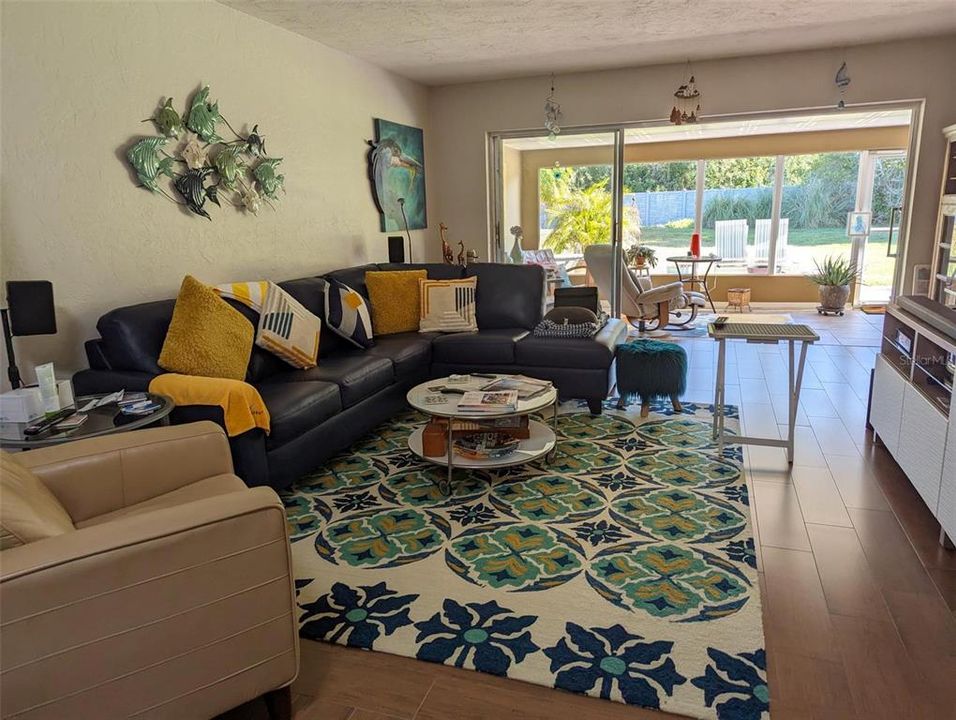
[
  {"x": 769, "y": 195},
  {"x": 555, "y": 198},
  {"x": 883, "y": 177}
]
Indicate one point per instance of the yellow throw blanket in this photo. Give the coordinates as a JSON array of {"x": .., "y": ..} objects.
[{"x": 241, "y": 404}]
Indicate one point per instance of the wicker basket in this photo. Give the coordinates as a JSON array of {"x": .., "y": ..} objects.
[{"x": 738, "y": 298}]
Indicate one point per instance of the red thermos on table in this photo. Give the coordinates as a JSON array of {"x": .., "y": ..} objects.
[{"x": 695, "y": 244}]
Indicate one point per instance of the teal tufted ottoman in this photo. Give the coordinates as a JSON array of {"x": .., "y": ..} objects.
[{"x": 651, "y": 369}]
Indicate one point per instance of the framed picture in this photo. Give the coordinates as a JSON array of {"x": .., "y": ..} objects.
[
  {"x": 396, "y": 170},
  {"x": 858, "y": 223}
]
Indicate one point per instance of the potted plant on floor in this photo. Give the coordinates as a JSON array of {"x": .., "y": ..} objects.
[
  {"x": 833, "y": 278},
  {"x": 641, "y": 255}
]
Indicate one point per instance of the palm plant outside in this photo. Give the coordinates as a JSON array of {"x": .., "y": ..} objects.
[{"x": 581, "y": 216}]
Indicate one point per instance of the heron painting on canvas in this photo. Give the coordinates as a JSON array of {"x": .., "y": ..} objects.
[{"x": 396, "y": 171}]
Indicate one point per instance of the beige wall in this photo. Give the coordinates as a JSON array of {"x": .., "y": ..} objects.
[
  {"x": 77, "y": 77},
  {"x": 461, "y": 115},
  {"x": 514, "y": 188}
]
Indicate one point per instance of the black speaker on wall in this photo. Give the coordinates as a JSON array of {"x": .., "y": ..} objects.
[{"x": 396, "y": 249}]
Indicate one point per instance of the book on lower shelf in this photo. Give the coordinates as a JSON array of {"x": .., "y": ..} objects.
[{"x": 480, "y": 401}]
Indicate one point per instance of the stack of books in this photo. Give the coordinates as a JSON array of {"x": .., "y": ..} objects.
[{"x": 493, "y": 402}]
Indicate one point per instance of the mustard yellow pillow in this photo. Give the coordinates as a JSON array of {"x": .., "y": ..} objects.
[
  {"x": 206, "y": 336},
  {"x": 395, "y": 297}
]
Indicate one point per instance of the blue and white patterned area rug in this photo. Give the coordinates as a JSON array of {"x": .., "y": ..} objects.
[{"x": 624, "y": 569}]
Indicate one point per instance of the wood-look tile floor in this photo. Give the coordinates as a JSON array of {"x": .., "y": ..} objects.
[{"x": 858, "y": 596}]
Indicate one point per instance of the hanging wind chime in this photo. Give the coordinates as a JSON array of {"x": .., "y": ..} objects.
[
  {"x": 686, "y": 107},
  {"x": 842, "y": 81},
  {"x": 552, "y": 114}
]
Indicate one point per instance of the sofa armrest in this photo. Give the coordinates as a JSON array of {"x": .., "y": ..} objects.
[
  {"x": 99, "y": 475},
  {"x": 184, "y": 612},
  {"x": 661, "y": 293},
  {"x": 612, "y": 334}
]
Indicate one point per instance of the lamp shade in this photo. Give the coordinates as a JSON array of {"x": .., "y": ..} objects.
[{"x": 30, "y": 304}]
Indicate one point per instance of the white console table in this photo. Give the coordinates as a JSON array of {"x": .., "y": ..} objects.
[{"x": 913, "y": 412}]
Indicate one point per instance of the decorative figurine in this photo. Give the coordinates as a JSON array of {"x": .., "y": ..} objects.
[
  {"x": 229, "y": 165},
  {"x": 516, "y": 257},
  {"x": 194, "y": 154},
  {"x": 255, "y": 143},
  {"x": 269, "y": 181},
  {"x": 191, "y": 185},
  {"x": 167, "y": 120},
  {"x": 144, "y": 157},
  {"x": 447, "y": 253},
  {"x": 204, "y": 117},
  {"x": 461, "y": 253}
]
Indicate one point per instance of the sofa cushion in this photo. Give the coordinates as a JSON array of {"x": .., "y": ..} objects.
[
  {"x": 508, "y": 296},
  {"x": 357, "y": 374},
  {"x": 485, "y": 347},
  {"x": 29, "y": 510},
  {"x": 297, "y": 407},
  {"x": 205, "y": 488},
  {"x": 133, "y": 335},
  {"x": 410, "y": 353},
  {"x": 590, "y": 353}
]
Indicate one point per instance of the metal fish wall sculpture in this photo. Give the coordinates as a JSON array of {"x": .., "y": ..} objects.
[{"x": 203, "y": 165}]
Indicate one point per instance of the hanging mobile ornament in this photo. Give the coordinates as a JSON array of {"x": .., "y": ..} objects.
[
  {"x": 552, "y": 114},
  {"x": 842, "y": 81},
  {"x": 686, "y": 107}
]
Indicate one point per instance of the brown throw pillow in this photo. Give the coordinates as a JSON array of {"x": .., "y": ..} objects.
[
  {"x": 395, "y": 299},
  {"x": 29, "y": 511},
  {"x": 206, "y": 336}
]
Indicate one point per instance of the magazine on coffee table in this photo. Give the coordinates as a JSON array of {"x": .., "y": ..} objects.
[
  {"x": 479, "y": 401},
  {"x": 526, "y": 387}
]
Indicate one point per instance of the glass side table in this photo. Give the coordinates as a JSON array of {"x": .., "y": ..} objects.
[{"x": 100, "y": 421}]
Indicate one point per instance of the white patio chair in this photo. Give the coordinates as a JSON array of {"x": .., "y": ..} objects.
[
  {"x": 731, "y": 239},
  {"x": 762, "y": 240}
]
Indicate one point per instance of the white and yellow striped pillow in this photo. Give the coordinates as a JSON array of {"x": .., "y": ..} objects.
[
  {"x": 288, "y": 330},
  {"x": 250, "y": 294}
]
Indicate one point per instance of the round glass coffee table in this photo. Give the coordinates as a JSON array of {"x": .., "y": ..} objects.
[
  {"x": 104, "y": 420},
  {"x": 542, "y": 441}
]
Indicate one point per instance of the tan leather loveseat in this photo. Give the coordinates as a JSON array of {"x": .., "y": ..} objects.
[{"x": 141, "y": 578}]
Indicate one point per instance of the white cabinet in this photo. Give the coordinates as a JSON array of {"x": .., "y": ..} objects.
[
  {"x": 913, "y": 409},
  {"x": 922, "y": 444},
  {"x": 947, "y": 492},
  {"x": 886, "y": 408}
]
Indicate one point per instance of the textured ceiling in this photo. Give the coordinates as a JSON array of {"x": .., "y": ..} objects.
[{"x": 448, "y": 41}]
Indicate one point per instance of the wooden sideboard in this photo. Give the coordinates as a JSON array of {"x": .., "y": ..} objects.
[{"x": 913, "y": 411}]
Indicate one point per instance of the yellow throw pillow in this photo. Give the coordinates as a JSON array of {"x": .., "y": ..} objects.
[
  {"x": 29, "y": 511},
  {"x": 395, "y": 298},
  {"x": 206, "y": 336}
]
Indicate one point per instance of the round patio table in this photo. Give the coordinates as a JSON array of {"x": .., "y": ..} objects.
[{"x": 695, "y": 279}]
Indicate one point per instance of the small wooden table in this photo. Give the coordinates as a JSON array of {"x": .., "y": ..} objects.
[
  {"x": 769, "y": 334},
  {"x": 695, "y": 280}
]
